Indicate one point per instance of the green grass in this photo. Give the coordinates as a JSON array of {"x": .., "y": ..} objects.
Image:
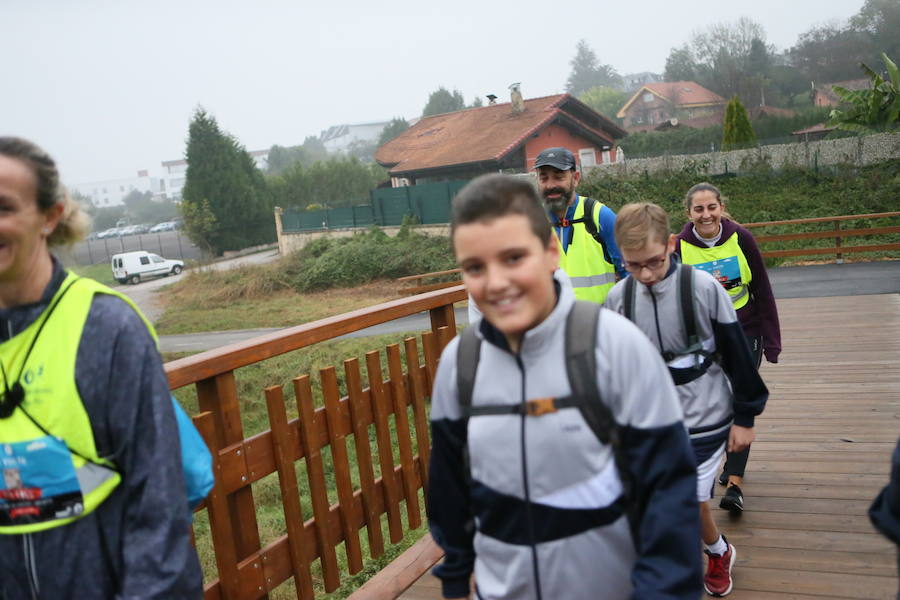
[
  {"x": 101, "y": 272},
  {"x": 251, "y": 382}
]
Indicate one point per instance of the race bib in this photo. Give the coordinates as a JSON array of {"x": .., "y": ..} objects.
[
  {"x": 727, "y": 271},
  {"x": 39, "y": 482}
]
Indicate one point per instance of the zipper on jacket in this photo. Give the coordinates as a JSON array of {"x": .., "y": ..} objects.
[
  {"x": 528, "y": 516},
  {"x": 656, "y": 320},
  {"x": 30, "y": 566}
]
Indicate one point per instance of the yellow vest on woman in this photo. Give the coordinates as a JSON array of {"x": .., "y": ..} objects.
[
  {"x": 53, "y": 402},
  {"x": 707, "y": 259}
]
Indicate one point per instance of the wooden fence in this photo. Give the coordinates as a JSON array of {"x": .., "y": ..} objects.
[
  {"x": 247, "y": 569},
  {"x": 836, "y": 233}
]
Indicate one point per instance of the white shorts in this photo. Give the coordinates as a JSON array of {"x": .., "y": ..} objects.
[{"x": 706, "y": 474}]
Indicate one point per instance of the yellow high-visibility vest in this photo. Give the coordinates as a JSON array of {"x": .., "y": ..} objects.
[
  {"x": 715, "y": 259},
  {"x": 52, "y": 405},
  {"x": 592, "y": 275}
]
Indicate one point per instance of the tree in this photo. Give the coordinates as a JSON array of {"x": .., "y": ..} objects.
[
  {"x": 312, "y": 150},
  {"x": 680, "y": 65},
  {"x": 337, "y": 182},
  {"x": 873, "y": 110},
  {"x": 605, "y": 100},
  {"x": 588, "y": 72},
  {"x": 397, "y": 126},
  {"x": 441, "y": 101},
  {"x": 736, "y": 129},
  {"x": 225, "y": 202},
  {"x": 830, "y": 53},
  {"x": 880, "y": 19},
  {"x": 477, "y": 102}
]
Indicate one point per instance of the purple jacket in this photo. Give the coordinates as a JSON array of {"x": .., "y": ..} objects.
[{"x": 759, "y": 317}]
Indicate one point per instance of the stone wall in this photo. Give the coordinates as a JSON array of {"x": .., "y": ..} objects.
[
  {"x": 863, "y": 150},
  {"x": 289, "y": 241}
]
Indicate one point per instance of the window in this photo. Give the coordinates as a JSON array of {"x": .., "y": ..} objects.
[
  {"x": 606, "y": 156},
  {"x": 588, "y": 157},
  {"x": 648, "y": 97},
  {"x": 157, "y": 259},
  {"x": 145, "y": 260}
]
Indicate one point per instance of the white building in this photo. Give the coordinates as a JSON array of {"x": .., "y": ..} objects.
[
  {"x": 112, "y": 192},
  {"x": 341, "y": 138},
  {"x": 175, "y": 173}
]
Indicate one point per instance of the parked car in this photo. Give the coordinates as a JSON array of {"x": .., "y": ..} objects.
[
  {"x": 108, "y": 233},
  {"x": 164, "y": 226},
  {"x": 132, "y": 267}
]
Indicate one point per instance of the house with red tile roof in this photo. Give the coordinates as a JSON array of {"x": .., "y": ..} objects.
[
  {"x": 823, "y": 95},
  {"x": 498, "y": 137},
  {"x": 656, "y": 103}
]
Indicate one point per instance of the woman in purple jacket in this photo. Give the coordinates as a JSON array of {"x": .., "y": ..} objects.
[{"x": 715, "y": 243}]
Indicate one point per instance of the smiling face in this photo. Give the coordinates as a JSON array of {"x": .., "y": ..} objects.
[
  {"x": 24, "y": 228},
  {"x": 705, "y": 213},
  {"x": 557, "y": 187},
  {"x": 509, "y": 272}
]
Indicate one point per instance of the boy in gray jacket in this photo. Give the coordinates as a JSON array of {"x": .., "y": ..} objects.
[
  {"x": 707, "y": 354},
  {"x": 522, "y": 491}
]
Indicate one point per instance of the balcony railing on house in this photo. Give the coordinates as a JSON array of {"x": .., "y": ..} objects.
[{"x": 381, "y": 408}]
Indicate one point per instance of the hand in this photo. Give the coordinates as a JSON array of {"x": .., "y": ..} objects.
[{"x": 740, "y": 438}]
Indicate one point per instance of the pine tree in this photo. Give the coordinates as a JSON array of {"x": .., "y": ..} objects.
[
  {"x": 736, "y": 130},
  {"x": 225, "y": 201}
]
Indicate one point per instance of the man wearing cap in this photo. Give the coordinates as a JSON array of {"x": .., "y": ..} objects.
[{"x": 584, "y": 227}]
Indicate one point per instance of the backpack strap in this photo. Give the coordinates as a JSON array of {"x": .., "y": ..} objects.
[
  {"x": 581, "y": 368},
  {"x": 628, "y": 298},
  {"x": 467, "y": 355},
  {"x": 591, "y": 225}
]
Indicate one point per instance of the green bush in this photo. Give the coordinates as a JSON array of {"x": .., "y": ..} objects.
[{"x": 365, "y": 257}]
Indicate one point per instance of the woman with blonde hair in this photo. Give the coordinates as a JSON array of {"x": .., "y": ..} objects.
[{"x": 97, "y": 506}]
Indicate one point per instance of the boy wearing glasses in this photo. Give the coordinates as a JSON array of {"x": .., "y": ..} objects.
[{"x": 715, "y": 373}]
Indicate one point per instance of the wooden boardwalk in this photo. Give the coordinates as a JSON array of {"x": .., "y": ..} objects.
[{"x": 822, "y": 453}]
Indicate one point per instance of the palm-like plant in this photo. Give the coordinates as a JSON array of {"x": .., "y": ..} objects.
[{"x": 872, "y": 110}]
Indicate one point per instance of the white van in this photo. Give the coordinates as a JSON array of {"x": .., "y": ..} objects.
[{"x": 131, "y": 267}]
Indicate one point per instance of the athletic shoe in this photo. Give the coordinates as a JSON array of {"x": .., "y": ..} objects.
[
  {"x": 723, "y": 479},
  {"x": 733, "y": 500},
  {"x": 717, "y": 580}
]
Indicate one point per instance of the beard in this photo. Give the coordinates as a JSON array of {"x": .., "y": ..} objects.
[{"x": 559, "y": 203}]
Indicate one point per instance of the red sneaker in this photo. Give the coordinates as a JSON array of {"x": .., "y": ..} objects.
[{"x": 717, "y": 580}]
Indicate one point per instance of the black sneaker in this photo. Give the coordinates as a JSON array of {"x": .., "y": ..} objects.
[
  {"x": 733, "y": 500},
  {"x": 723, "y": 479}
]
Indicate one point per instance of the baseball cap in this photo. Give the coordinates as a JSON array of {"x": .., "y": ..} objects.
[{"x": 559, "y": 158}]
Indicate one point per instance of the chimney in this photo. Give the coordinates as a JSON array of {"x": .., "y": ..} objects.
[
  {"x": 492, "y": 99},
  {"x": 515, "y": 97}
]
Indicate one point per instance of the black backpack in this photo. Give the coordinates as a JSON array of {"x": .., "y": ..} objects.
[
  {"x": 581, "y": 369},
  {"x": 693, "y": 344}
]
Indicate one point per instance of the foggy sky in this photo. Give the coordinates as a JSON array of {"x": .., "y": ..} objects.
[{"x": 108, "y": 87}]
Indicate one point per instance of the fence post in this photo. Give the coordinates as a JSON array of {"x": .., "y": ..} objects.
[
  {"x": 180, "y": 251},
  {"x": 90, "y": 256},
  {"x": 837, "y": 242}
]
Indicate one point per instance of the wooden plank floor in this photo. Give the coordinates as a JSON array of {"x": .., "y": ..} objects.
[{"x": 822, "y": 453}]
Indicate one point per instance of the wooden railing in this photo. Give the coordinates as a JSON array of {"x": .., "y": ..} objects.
[
  {"x": 247, "y": 569},
  {"x": 419, "y": 286},
  {"x": 836, "y": 233}
]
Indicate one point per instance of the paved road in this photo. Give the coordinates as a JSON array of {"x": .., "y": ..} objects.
[{"x": 850, "y": 279}]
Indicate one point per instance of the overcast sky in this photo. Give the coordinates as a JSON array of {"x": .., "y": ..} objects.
[{"x": 108, "y": 87}]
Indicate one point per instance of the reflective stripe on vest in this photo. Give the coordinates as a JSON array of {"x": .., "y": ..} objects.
[
  {"x": 695, "y": 255},
  {"x": 52, "y": 398},
  {"x": 591, "y": 274}
]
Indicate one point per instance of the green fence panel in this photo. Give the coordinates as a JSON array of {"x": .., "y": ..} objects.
[
  {"x": 391, "y": 205},
  {"x": 340, "y": 217},
  {"x": 290, "y": 220},
  {"x": 313, "y": 219},
  {"x": 363, "y": 215},
  {"x": 431, "y": 202}
]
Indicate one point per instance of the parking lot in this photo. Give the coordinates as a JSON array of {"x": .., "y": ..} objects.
[{"x": 169, "y": 244}]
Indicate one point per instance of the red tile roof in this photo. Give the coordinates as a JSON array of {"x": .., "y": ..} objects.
[
  {"x": 679, "y": 93},
  {"x": 483, "y": 134},
  {"x": 826, "y": 89}
]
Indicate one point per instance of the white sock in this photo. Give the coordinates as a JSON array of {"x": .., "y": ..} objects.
[{"x": 719, "y": 547}]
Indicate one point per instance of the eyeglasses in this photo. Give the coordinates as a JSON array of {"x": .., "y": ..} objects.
[{"x": 652, "y": 264}]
